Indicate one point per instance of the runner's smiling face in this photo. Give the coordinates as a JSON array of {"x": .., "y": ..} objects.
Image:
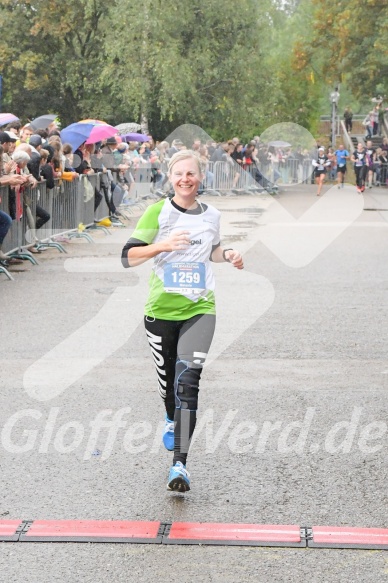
[{"x": 185, "y": 178}]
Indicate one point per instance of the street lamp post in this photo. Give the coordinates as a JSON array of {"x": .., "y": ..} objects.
[{"x": 334, "y": 98}]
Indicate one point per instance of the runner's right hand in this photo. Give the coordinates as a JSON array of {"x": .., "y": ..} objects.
[{"x": 177, "y": 241}]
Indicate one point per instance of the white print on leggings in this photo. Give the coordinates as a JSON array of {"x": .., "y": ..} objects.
[{"x": 156, "y": 349}]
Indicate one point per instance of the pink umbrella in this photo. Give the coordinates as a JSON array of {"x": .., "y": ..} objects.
[
  {"x": 101, "y": 132},
  {"x": 89, "y": 131},
  {"x": 8, "y": 118}
]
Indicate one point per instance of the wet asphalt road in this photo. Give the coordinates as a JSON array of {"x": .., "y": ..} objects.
[{"x": 293, "y": 403}]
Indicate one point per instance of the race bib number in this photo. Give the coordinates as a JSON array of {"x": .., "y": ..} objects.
[
  {"x": 184, "y": 277},
  {"x": 320, "y": 167}
]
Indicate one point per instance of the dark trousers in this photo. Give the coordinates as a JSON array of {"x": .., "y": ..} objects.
[
  {"x": 5, "y": 225},
  {"x": 42, "y": 217},
  {"x": 179, "y": 349},
  {"x": 360, "y": 172}
]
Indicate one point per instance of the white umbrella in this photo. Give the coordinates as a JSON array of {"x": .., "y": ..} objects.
[
  {"x": 279, "y": 144},
  {"x": 127, "y": 128}
]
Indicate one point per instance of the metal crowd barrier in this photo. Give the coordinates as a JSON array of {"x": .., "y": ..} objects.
[
  {"x": 70, "y": 205},
  {"x": 13, "y": 202},
  {"x": 225, "y": 177},
  {"x": 292, "y": 171},
  {"x": 381, "y": 174},
  {"x": 228, "y": 176}
]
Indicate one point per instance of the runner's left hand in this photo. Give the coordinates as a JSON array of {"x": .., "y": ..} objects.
[{"x": 235, "y": 258}]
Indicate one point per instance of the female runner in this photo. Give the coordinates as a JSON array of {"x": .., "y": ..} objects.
[
  {"x": 320, "y": 168},
  {"x": 182, "y": 236}
]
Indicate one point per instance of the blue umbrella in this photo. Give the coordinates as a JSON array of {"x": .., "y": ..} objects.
[{"x": 76, "y": 134}]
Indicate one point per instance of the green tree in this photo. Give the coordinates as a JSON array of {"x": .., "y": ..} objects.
[
  {"x": 192, "y": 62},
  {"x": 352, "y": 37},
  {"x": 56, "y": 60},
  {"x": 300, "y": 84}
]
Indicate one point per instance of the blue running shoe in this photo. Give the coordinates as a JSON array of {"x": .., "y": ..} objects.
[
  {"x": 168, "y": 434},
  {"x": 179, "y": 478}
]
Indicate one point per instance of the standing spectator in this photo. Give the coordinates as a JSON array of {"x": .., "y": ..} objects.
[
  {"x": 211, "y": 146},
  {"x": 377, "y": 166},
  {"x": 25, "y": 133},
  {"x": 238, "y": 155},
  {"x": 80, "y": 164},
  {"x": 283, "y": 167},
  {"x": 163, "y": 147},
  {"x": 248, "y": 157},
  {"x": 196, "y": 145},
  {"x": 368, "y": 124},
  {"x": 209, "y": 176},
  {"x": 46, "y": 170},
  {"x": 175, "y": 147},
  {"x": 370, "y": 158},
  {"x": 8, "y": 144},
  {"x": 220, "y": 153},
  {"x": 274, "y": 164},
  {"x": 14, "y": 127},
  {"x": 384, "y": 167},
  {"x": 5, "y": 220},
  {"x": 35, "y": 143},
  {"x": 375, "y": 120},
  {"x": 293, "y": 164},
  {"x": 108, "y": 153},
  {"x": 158, "y": 177},
  {"x": 348, "y": 118},
  {"x": 22, "y": 158},
  {"x": 262, "y": 155},
  {"x": 69, "y": 172},
  {"x": 147, "y": 150}
]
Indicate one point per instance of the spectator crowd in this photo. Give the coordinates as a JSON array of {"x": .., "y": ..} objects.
[{"x": 29, "y": 156}]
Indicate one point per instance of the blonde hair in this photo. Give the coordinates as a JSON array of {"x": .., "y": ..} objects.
[{"x": 185, "y": 155}]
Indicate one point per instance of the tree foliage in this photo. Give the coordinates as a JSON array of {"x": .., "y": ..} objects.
[
  {"x": 231, "y": 68},
  {"x": 351, "y": 39},
  {"x": 193, "y": 62},
  {"x": 54, "y": 64}
]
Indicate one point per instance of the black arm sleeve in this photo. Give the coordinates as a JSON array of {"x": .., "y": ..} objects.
[
  {"x": 214, "y": 247},
  {"x": 132, "y": 242}
]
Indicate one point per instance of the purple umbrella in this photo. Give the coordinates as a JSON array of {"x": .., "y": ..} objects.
[
  {"x": 7, "y": 118},
  {"x": 135, "y": 138}
]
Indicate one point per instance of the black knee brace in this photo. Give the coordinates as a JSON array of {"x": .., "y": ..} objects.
[
  {"x": 187, "y": 373},
  {"x": 186, "y": 397}
]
